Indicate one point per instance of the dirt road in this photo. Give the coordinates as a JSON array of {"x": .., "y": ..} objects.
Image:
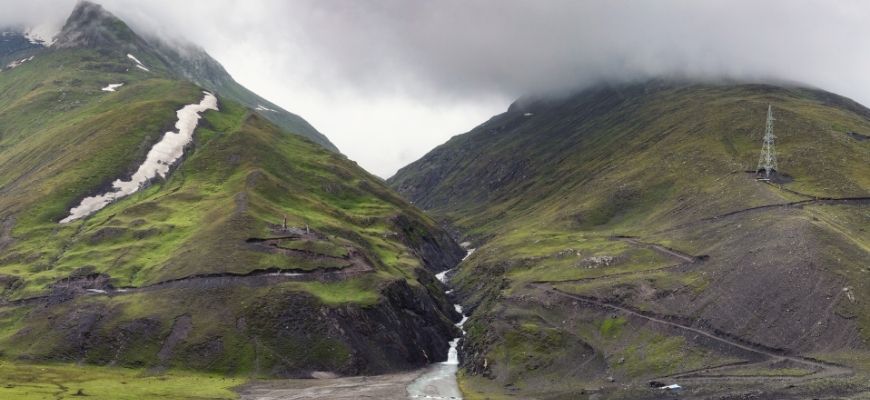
[{"x": 819, "y": 369}]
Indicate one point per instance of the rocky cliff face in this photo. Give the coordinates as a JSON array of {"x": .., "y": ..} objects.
[
  {"x": 265, "y": 330},
  {"x": 90, "y": 25},
  {"x": 437, "y": 250}
]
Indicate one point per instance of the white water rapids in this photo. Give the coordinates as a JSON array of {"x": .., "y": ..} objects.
[
  {"x": 439, "y": 380},
  {"x": 161, "y": 156}
]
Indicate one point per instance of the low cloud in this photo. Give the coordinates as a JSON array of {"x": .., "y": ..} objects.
[{"x": 442, "y": 66}]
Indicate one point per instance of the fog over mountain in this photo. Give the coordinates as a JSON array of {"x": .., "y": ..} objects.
[{"x": 389, "y": 80}]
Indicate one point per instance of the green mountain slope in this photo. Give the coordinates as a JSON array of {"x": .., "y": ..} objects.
[
  {"x": 261, "y": 253},
  {"x": 614, "y": 225},
  {"x": 92, "y": 26}
]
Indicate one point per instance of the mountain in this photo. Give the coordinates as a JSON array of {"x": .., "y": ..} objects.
[
  {"x": 148, "y": 223},
  {"x": 92, "y": 26},
  {"x": 624, "y": 242},
  {"x": 15, "y": 47},
  {"x": 193, "y": 64}
]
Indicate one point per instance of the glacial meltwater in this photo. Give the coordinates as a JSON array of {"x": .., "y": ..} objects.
[{"x": 439, "y": 380}]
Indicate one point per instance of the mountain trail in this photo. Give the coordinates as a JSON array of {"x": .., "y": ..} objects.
[
  {"x": 819, "y": 369},
  {"x": 688, "y": 258},
  {"x": 257, "y": 278},
  {"x": 861, "y": 200}
]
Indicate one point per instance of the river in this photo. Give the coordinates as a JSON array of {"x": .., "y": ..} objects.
[{"x": 439, "y": 380}]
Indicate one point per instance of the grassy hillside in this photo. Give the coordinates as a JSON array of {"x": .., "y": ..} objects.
[
  {"x": 55, "y": 381},
  {"x": 261, "y": 254},
  {"x": 631, "y": 196}
]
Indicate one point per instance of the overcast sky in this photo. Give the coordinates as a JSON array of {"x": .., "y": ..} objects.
[{"x": 389, "y": 80}]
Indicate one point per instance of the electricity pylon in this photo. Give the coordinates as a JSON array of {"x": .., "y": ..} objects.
[{"x": 767, "y": 159}]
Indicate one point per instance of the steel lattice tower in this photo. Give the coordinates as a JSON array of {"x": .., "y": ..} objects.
[{"x": 767, "y": 159}]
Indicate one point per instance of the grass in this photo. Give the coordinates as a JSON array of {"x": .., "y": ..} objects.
[
  {"x": 611, "y": 327},
  {"x": 62, "y": 139},
  {"x": 65, "y": 381},
  {"x": 540, "y": 195},
  {"x": 656, "y": 355},
  {"x": 198, "y": 219}
]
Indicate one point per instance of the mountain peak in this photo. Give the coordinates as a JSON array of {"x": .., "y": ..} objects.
[{"x": 90, "y": 25}]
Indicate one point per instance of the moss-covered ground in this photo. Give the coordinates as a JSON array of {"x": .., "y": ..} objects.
[
  {"x": 62, "y": 139},
  {"x": 543, "y": 196},
  {"x": 63, "y": 381}
]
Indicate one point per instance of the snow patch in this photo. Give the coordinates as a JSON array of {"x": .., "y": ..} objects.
[
  {"x": 111, "y": 87},
  {"x": 442, "y": 276},
  {"x": 43, "y": 34},
  {"x": 17, "y": 63},
  {"x": 261, "y": 107},
  {"x": 163, "y": 155},
  {"x": 138, "y": 63}
]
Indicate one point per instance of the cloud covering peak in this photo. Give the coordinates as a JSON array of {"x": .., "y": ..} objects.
[{"x": 387, "y": 80}]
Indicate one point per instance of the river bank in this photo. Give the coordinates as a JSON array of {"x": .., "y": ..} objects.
[{"x": 391, "y": 386}]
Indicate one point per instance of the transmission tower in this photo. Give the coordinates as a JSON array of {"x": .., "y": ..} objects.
[{"x": 767, "y": 159}]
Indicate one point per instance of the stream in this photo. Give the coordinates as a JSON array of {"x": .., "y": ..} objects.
[{"x": 439, "y": 380}]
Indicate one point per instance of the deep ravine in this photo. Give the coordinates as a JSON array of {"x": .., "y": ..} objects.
[{"x": 439, "y": 380}]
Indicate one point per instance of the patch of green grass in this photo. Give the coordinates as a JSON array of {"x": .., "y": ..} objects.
[
  {"x": 66, "y": 381},
  {"x": 611, "y": 327},
  {"x": 656, "y": 354},
  {"x": 357, "y": 291}
]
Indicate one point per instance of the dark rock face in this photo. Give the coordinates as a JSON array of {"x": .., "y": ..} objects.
[
  {"x": 435, "y": 248},
  {"x": 418, "y": 332},
  {"x": 15, "y": 46},
  {"x": 277, "y": 333},
  {"x": 858, "y": 136},
  {"x": 90, "y": 25}
]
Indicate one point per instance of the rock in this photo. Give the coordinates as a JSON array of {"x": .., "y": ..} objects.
[{"x": 323, "y": 375}]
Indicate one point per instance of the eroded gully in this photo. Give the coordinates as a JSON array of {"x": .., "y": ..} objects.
[{"x": 439, "y": 380}]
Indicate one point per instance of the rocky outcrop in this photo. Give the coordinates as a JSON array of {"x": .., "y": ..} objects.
[
  {"x": 417, "y": 333},
  {"x": 271, "y": 332},
  {"x": 90, "y": 25},
  {"x": 435, "y": 247}
]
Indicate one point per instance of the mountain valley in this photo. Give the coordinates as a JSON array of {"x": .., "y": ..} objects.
[{"x": 166, "y": 232}]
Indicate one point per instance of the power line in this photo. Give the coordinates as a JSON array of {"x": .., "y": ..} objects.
[{"x": 767, "y": 159}]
